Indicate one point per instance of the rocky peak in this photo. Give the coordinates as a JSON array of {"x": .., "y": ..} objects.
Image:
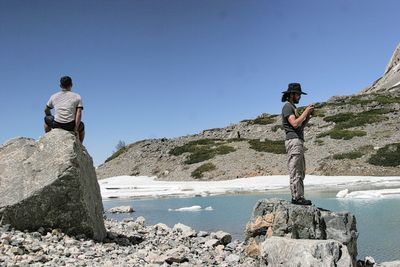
[
  {"x": 390, "y": 81},
  {"x": 395, "y": 60}
]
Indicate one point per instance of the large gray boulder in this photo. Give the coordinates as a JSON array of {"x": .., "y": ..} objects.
[
  {"x": 50, "y": 183},
  {"x": 273, "y": 217},
  {"x": 281, "y": 251}
]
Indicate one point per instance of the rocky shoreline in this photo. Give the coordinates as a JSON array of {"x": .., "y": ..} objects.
[{"x": 128, "y": 243}]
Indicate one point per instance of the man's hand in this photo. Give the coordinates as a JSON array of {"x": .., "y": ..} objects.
[{"x": 309, "y": 110}]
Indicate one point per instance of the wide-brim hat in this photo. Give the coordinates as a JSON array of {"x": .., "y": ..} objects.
[{"x": 294, "y": 88}]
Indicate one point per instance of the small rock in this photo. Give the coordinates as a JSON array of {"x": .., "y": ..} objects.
[
  {"x": 5, "y": 236},
  {"x": 41, "y": 230},
  {"x": 177, "y": 255},
  {"x": 162, "y": 227},
  {"x": 220, "y": 249},
  {"x": 203, "y": 234},
  {"x": 223, "y": 237},
  {"x": 111, "y": 235},
  {"x": 231, "y": 246},
  {"x": 16, "y": 251},
  {"x": 121, "y": 209},
  {"x": 212, "y": 243},
  {"x": 233, "y": 258},
  {"x": 40, "y": 258},
  {"x": 35, "y": 249},
  {"x": 130, "y": 219},
  {"x": 186, "y": 231},
  {"x": 140, "y": 220}
]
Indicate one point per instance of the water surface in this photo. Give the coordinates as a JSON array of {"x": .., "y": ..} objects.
[{"x": 378, "y": 220}]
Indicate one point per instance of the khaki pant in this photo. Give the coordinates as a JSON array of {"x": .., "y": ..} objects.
[{"x": 296, "y": 166}]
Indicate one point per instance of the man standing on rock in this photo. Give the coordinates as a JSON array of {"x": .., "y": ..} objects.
[
  {"x": 68, "y": 114},
  {"x": 293, "y": 124}
]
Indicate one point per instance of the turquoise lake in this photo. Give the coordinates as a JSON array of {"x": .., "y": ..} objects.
[{"x": 378, "y": 220}]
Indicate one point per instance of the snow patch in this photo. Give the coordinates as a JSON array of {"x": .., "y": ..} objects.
[{"x": 149, "y": 187}]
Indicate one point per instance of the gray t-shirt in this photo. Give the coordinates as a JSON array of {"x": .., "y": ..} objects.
[
  {"x": 65, "y": 103},
  {"x": 291, "y": 133}
]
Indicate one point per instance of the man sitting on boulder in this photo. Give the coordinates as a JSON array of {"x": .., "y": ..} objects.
[{"x": 68, "y": 110}]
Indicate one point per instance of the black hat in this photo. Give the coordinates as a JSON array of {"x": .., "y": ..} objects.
[{"x": 294, "y": 88}]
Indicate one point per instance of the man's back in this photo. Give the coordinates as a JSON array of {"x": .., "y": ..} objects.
[{"x": 65, "y": 103}]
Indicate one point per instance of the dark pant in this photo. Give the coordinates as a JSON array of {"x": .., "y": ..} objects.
[{"x": 70, "y": 126}]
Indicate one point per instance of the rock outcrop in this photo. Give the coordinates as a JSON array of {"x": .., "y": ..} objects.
[
  {"x": 50, "y": 183},
  {"x": 280, "y": 251},
  {"x": 282, "y": 219}
]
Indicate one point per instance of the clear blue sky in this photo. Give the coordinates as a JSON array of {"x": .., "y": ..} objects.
[{"x": 167, "y": 68}]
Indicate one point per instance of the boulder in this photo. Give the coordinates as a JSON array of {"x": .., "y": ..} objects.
[
  {"x": 50, "y": 183},
  {"x": 273, "y": 217},
  {"x": 281, "y": 251}
]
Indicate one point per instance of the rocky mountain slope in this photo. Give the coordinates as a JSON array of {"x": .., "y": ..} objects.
[{"x": 348, "y": 135}]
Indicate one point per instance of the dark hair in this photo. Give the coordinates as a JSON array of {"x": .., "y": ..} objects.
[
  {"x": 65, "y": 82},
  {"x": 285, "y": 97}
]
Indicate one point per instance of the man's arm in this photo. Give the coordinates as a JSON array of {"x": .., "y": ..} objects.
[
  {"x": 47, "y": 111},
  {"x": 78, "y": 117},
  {"x": 304, "y": 117}
]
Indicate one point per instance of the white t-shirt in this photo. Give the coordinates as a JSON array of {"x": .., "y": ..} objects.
[{"x": 65, "y": 103}]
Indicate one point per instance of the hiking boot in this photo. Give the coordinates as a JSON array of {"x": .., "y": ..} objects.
[{"x": 301, "y": 201}]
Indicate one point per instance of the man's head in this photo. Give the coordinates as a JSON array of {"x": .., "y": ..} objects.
[
  {"x": 293, "y": 93},
  {"x": 66, "y": 82}
]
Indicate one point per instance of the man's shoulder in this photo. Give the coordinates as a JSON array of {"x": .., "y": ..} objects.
[
  {"x": 288, "y": 107},
  {"x": 55, "y": 94},
  {"x": 73, "y": 95}
]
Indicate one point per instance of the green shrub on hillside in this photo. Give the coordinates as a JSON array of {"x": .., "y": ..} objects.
[
  {"x": 202, "y": 150},
  {"x": 349, "y": 155},
  {"x": 276, "y": 147},
  {"x": 264, "y": 120},
  {"x": 349, "y": 120},
  {"x": 341, "y": 134},
  {"x": 319, "y": 112},
  {"x": 366, "y": 99},
  {"x": 224, "y": 149},
  {"x": 387, "y": 156},
  {"x": 116, "y": 154},
  {"x": 357, "y": 153},
  {"x": 193, "y": 146},
  {"x": 206, "y": 167},
  {"x": 232, "y": 140},
  {"x": 200, "y": 155},
  {"x": 384, "y": 99}
]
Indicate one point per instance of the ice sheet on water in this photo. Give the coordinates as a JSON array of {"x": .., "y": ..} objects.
[
  {"x": 192, "y": 208},
  {"x": 369, "y": 194}
]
